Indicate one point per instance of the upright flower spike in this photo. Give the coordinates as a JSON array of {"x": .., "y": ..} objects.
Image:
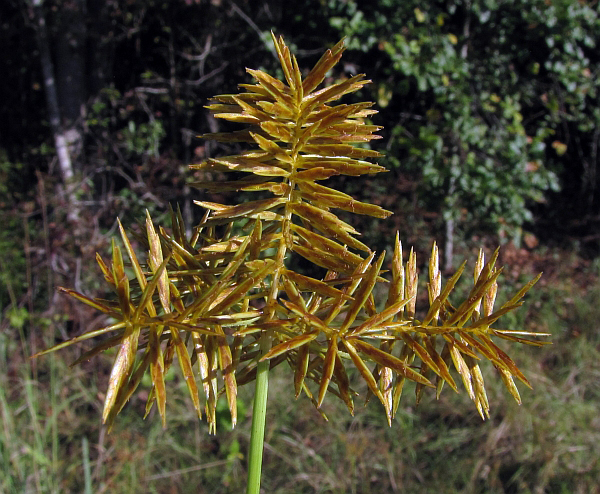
[{"x": 228, "y": 304}]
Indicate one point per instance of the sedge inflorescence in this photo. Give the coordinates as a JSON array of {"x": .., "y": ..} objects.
[{"x": 227, "y": 297}]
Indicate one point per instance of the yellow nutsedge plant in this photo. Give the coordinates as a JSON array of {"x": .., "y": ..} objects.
[{"x": 227, "y": 304}]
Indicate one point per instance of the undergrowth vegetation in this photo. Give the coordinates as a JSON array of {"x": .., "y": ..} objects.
[{"x": 548, "y": 444}]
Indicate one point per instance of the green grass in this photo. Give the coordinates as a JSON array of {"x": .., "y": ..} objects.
[{"x": 51, "y": 439}]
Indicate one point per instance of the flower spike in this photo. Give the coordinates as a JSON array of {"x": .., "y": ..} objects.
[{"x": 227, "y": 303}]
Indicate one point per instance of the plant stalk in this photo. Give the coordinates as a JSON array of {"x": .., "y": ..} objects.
[{"x": 259, "y": 413}]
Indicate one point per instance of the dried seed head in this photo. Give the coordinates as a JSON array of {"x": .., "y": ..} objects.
[
  {"x": 412, "y": 281},
  {"x": 490, "y": 298},
  {"x": 237, "y": 256},
  {"x": 435, "y": 278}
]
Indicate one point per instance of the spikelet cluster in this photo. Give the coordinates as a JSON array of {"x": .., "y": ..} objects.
[{"x": 211, "y": 300}]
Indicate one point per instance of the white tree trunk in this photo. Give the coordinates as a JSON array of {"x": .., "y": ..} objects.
[{"x": 60, "y": 138}]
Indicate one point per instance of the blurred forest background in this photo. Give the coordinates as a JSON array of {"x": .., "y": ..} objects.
[{"x": 491, "y": 115}]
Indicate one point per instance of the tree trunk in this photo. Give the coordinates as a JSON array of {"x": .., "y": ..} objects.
[
  {"x": 60, "y": 137},
  {"x": 69, "y": 63},
  {"x": 69, "y": 51}
]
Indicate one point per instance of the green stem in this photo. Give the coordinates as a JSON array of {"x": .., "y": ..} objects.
[{"x": 259, "y": 413}]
